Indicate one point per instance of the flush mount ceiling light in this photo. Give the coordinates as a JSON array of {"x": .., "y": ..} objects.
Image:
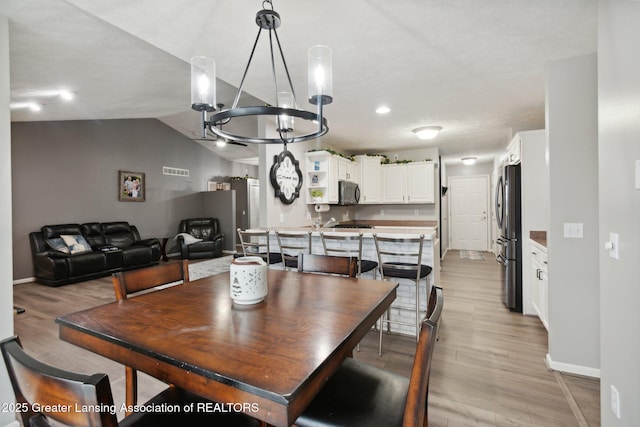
[
  {"x": 383, "y": 109},
  {"x": 469, "y": 160},
  {"x": 427, "y": 132},
  {"x": 320, "y": 91}
]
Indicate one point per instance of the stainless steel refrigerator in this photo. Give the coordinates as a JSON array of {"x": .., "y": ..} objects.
[
  {"x": 247, "y": 204},
  {"x": 508, "y": 216}
]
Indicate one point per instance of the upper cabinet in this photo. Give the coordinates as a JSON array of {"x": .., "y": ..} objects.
[
  {"x": 347, "y": 170},
  {"x": 514, "y": 151},
  {"x": 370, "y": 179},
  {"x": 408, "y": 183}
]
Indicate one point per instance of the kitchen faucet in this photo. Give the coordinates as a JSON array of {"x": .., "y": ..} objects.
[{"x": 329, "y": 222}]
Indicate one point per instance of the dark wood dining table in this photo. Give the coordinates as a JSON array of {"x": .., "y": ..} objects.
[{"x": 269, "y": 359}]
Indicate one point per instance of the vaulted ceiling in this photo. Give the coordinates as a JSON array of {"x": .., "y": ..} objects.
[{"x": 474, "y": 67}]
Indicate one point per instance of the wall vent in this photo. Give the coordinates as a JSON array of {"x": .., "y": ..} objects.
[{"x": 166, "y": 170}]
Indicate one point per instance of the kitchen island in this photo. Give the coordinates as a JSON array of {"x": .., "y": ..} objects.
[{"x": 406, "y": 289}]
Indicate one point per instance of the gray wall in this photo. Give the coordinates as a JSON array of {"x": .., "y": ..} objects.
[
  {"x": 619, "y": 149},
  {"x": 6, "y": 288},
  {"x": 572, "y": 126},
  {"x": 67, "y": 172}
]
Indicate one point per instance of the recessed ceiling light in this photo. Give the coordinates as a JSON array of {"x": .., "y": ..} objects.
[
  {"x": 383, "y": 109},
  {"x": 469, "y": 160},
  {"x": 427, "y": 132}
]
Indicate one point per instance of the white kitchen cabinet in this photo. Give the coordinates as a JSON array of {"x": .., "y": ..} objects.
[
  {"x": 539, "y": 282},
  {"x": 514, "y": 150},
  {"x": 370, "y": 179},
  {"x": 394, "y": 182},
  {"x": 534, "y": 196},
  {"x": 408, "y": 183},
  {"x": 420, "y": 182},
  {"x": 347, "y": 170}
]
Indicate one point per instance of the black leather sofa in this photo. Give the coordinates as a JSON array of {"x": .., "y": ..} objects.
[
  {"x": 114, "y": 246},
  {"x": 206, "y": 229}
]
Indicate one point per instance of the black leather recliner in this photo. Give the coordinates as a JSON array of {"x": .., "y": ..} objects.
[{"x": 207, "y": 229}]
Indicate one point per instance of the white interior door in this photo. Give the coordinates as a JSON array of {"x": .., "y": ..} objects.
[{"x": 469, "y": 212}]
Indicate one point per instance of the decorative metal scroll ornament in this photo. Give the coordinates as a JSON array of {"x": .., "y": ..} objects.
[{"x": 286, "y": 177}]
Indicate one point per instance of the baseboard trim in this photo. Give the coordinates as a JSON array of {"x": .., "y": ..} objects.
[
  {"x": 571, "y": 369},
  {"x": 25, "y": 280}
]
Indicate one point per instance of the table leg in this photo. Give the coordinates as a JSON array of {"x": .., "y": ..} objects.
[{"x": 163, "y": 248}]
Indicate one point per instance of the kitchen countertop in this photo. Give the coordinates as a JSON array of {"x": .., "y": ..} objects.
[
  {"x": 540, "y": 237},
  {"x": 429, "y": 233},
  {"x": 392, "y": 223}
]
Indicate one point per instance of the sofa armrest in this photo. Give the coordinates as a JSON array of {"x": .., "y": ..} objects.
[{"x": 147, "y": 242}]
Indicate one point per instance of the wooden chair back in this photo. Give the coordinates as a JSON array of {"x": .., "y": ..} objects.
[
  {"x": 130, "y": 282},
  {"x": 345, "y": 266},
  {"x": 34, "y": 382},
  {"x": 415, "y": 411}
]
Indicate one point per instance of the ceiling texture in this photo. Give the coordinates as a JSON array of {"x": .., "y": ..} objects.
[{"x": 474, "y": 67}]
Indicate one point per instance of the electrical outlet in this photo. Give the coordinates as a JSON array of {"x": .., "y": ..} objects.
[
  {"x": 615, "y": 402},
  {"x": 416, "y": 212},
  {"x": 381, "y": 212},
  {"x": 281, "y": 218},
  {"x": 573, "y": 230},
  {"x": 308, "y": 216}
]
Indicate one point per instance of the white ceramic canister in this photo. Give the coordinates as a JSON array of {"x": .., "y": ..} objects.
[{"x": 248, "y": 280}]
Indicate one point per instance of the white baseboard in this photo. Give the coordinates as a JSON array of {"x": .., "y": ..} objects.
[
  {"x": 571, "y": 369},
  {"x": 25, "y": 280}
]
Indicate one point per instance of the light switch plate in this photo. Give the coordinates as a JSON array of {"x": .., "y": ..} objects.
[
  {"x": 573, "y": 230},
  {"x": 637, "y": 174}
]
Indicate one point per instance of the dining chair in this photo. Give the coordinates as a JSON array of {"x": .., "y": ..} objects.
[
  {"x": 359, "y": 394},
  {"x": 291, "y": 244},
  {"x": 256, "y": 243},
  {"x": 41, "y": 390},
  {"x": 400, "y": 257},
  {"x": 342, "y": 265},
  {"x": 128, "y": 283},
  {"x": 347, "y": 244}
]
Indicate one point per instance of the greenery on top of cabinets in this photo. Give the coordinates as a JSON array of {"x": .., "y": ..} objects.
[{"x": 332, "y": 151}]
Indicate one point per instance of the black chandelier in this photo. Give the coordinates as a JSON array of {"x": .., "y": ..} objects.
[{"x": 320, "y": 91}]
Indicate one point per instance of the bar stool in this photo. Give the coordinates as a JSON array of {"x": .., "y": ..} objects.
[
  {"x": 349, "y": 245},
  {"x": 256, "y": 243},
  {"x": 291, "y": 244},
  {"x": 400, "y": 256}
]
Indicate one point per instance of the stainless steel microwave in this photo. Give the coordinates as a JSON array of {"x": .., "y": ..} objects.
[{"x": 348, "y": 193}]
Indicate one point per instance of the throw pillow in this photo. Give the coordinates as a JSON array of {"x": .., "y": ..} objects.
[
  {"x": 188, "y": 238},
  {"x": 76, "y": 243},
  {"x": 57, "y": 244}
]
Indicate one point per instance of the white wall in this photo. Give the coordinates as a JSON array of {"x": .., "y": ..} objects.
[
  {"x": 6, "y": 268},
  {"x": 572, "y": 126},
  {"x": 619, "y": 149}
]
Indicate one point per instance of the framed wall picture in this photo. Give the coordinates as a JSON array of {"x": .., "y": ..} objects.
[{"x": 131, "y": 186}]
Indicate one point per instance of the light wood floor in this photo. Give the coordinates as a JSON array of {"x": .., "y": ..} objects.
[{"x": 488, "y": 367}]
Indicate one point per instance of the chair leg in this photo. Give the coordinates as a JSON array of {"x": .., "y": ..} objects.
[
  {"x": 418, "y": 309},
  {"x": 131, "y": 387},
  {"x": 380, "y": 341}
]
